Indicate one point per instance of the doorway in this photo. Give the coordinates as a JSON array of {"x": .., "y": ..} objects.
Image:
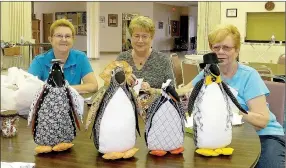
[
  {"x": 47, "y": 22},
  {"x": 126, "y": 37}
]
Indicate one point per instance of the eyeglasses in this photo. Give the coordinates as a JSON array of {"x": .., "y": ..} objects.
[
  {"x": 143, "y": 37},
  {"x": 60, "y": 36},
  {"x": 224, "y": 48}
]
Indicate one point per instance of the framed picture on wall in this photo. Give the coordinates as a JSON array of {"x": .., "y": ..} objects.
[
  {"x": 160, "y": 25},
  {"x": 175, "y": 29},
  {"x": 231, "y": 12},
  {"x": 112, "y": 20}
]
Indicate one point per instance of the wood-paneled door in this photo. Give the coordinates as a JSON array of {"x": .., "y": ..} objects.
[{"x": 47, "y": 22}]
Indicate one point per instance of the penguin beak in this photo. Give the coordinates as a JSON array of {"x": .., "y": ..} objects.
[{"x": 172, "y": 97}]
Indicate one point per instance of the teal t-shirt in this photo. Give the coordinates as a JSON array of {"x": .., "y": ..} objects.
[
  {"x": 76, "y": 67},
  {"x": 248, "y": 83}
]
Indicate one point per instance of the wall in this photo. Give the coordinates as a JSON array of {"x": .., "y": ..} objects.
[
  {"x": 110, "y": 38},
  {"x": 52, "y": 7},
  {"x": 252, "y": 53},
  {"x": 164, "y": 13},
  {"x": 193, "y": 14}
]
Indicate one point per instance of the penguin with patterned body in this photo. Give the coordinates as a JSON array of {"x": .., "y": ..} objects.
[
  {"x": 54, "y": 113},
  {"x": 210, "y": 104},
  {"x": 115, "y": 114},
  {"x": 164, "y": 131}
]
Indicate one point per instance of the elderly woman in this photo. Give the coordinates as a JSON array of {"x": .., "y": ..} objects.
[
  {"x": 76, "y": 64},
  {"x": 225, "y": 42},
  {"x": 153, "y": 66}
]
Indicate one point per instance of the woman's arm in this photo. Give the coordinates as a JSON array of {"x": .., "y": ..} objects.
[
  {"x": 89, "y": 84},
  {"x": 258, "y": 114},
  {"x": 185, "y": 89}
]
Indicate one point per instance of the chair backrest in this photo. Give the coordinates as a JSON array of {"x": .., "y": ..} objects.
[
  {"x": 265, "y": 72},
  {"x": 177, "y": 69},
  {"x": 276, "y": 99},
  {"x": 190, "y": 71},
  {"x": 281, "y": 59}
]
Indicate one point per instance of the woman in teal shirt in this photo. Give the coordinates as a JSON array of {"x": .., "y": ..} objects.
[
  {"x": 251, "y": 94},
  {"x": 76, "y": 64}
]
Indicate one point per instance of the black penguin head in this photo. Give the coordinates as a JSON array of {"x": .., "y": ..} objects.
[
  {"x": 170, "y": 90},
  {"x": 209, "y": 58},
  {"x": 56, "y": 77},
  {"x": 118, "y": 75}
]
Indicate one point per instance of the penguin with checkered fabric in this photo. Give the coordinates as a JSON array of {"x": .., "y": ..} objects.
[
  {"x": 164, "y": 131},
  {"x": 210, "y": 104}
]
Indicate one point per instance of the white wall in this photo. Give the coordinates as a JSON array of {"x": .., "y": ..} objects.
[
  {"x": 52, "y": 7},
  {"x": 110, "y": 39},
  {"x": 164, "y": 13},
  {"x": 252, "y": 53},
  {"x": 193, "y": 14}
]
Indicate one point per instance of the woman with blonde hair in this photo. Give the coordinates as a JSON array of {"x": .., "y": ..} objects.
[
  {"x": 251, "y": 94},
  {"x": 76, "y": 66},
  {"x": 153, "y": 66}
]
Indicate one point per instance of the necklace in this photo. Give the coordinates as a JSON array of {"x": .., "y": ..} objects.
[{"x": 140, "y": 62}]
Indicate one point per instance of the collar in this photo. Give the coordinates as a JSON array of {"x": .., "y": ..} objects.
[{"x": 69, "y": 62}]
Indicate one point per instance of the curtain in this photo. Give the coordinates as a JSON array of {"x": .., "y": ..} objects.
[
  {"x": 92, "y": 9},
  {"x": 16, "y": 22},
  {"x": 209, "y": 16}
]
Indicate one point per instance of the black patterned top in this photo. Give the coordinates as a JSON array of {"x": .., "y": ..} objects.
[{"x": 156, "y": 70}]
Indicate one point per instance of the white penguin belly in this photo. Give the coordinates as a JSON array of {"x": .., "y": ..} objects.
[
  {"x": 117, "y": 128},
  {"x": 213, "y": 124},
  {"x": 166, "y": 130}
]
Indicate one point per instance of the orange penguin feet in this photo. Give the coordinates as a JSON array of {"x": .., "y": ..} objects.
[
  {"x": 158, "y": 152},
  {"x": 177, "y": 151}
]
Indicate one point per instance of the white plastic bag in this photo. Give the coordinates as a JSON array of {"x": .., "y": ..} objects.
[
  {"x": 8, "y": 98},
  {"x": 26, "y": 93}
]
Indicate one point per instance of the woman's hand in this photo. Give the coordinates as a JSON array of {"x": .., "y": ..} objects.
[
  {"x": 145, "y": 86},
  {"x": 131, "y": 80}
]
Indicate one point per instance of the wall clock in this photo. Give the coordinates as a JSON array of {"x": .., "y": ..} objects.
[{"x": 269, "y": 5}]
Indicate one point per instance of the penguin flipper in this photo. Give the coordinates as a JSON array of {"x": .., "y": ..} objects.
[
  {"x": 194, "y": 95},
  {"x": 137, "y": 109},
  {"x": 32, "y": 117},
  {"x": 233, "y": 99},
  {"x": 99, "y": 95},
  {"x": 73, "y": 108}
]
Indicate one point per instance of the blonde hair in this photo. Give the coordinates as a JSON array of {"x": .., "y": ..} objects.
[
  {"x": 142, "y": 22},
  {"x": 62, "y": 23},
  {"x": 221, "y": 32}
]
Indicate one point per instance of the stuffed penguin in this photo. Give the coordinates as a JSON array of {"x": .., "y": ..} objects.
[
  {"x": 210, "y": 104},
  {"x": 54, "y": 113},
  {"x": 164, "y": 131},
  {"x": 114, "y": 111}
]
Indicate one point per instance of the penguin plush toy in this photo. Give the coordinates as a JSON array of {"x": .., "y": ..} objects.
[
  {"x": 54, "y": 113},
  {"x": 164, "y": 131},
  {"x": 210, "y": 104},
  {"x": 115, "y": 114}
]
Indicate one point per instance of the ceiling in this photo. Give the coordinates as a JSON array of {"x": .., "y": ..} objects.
[{"x": 182, "y": 3}]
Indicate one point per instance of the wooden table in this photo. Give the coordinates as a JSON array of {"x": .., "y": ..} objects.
[
  {"x": 84, "y": 154},
  {"x": 194, "y": 58}
]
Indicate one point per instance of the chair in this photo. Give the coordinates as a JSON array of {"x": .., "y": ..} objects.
[
  {"x": 276, "y": 99},
  {"x": 265, "y": 72},
  {"x": 177, "y": 69},
  {"x": 12, "y": 55},
  {"x": 281, "y": 59},
  {"x": 190, "y": 71}
]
